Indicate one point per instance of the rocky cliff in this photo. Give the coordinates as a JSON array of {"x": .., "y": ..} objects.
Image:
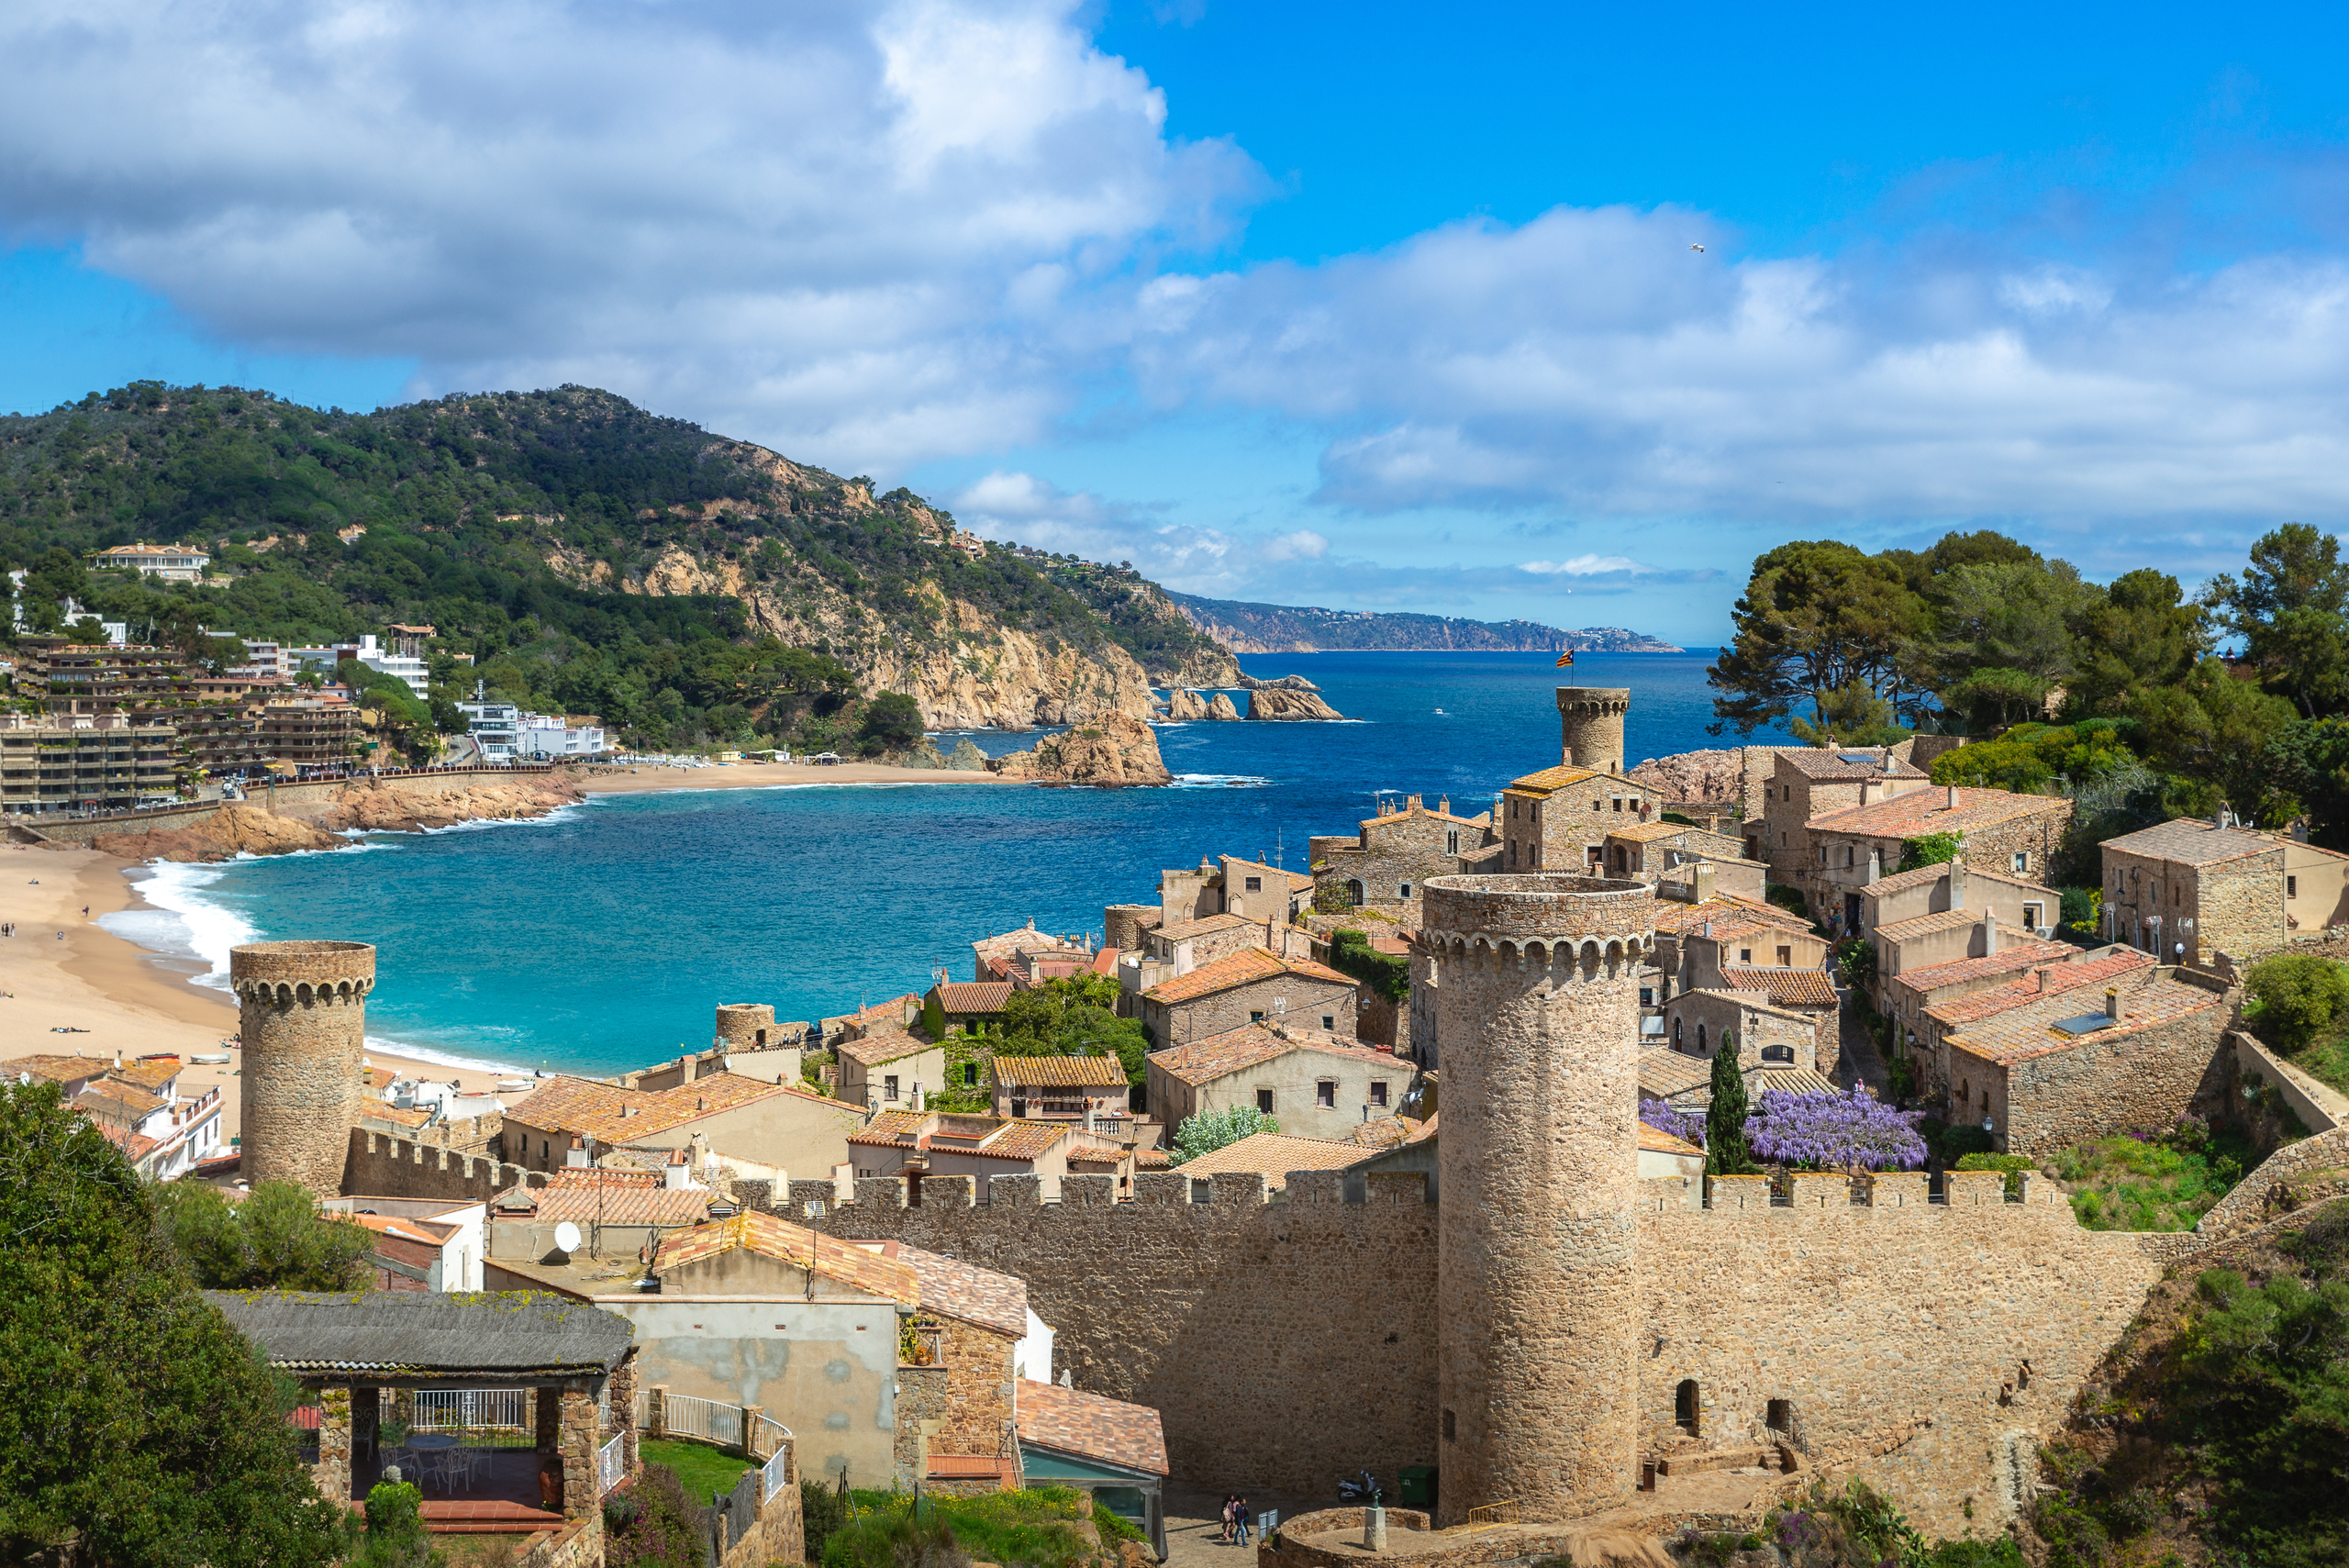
[
  {"x": 1115, "y": 750},
  {"x": 1283, "y": 702},
  {"x": 1708, "y": 777},
  {"x": 232, "y": 830},
  {"x": 372, "y": 806},
  {"x": 1303, "y": 628}
]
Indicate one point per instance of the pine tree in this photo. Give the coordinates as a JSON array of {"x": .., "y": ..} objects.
[{"x": 1725, "y": 1153}]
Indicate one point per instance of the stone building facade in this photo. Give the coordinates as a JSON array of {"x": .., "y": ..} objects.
[
  {"x": 1315, "y": 1084},
  {"x": 1845, "y": 850},
  {"x": 302, "y": 1009},
  {"x": 1393, "y": 855},
  {"x": 1801, "y": 783},
  {"x": 1244, "y": 988},
  {"x": 1558, "y": 819},
  {"x": 2203, "y": 886},
  {"x": 1651, "y": 848},
  {"x": 1696, "y": 1021}
]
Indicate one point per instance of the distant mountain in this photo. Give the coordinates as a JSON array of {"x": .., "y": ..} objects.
[{"x": 1294, "y": 629}]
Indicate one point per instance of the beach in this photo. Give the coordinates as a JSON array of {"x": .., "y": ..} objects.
[
  {"x": 768, "y": 775},
  {"x": 116, "y": 995}
]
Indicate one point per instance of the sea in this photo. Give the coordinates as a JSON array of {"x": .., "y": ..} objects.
[{"x": 599, "y": 939}]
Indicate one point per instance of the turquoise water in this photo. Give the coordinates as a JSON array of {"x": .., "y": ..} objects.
[{"x": 601, "y": 938}]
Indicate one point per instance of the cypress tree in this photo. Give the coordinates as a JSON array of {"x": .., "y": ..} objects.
[{"x": 1725, "y": 1153}]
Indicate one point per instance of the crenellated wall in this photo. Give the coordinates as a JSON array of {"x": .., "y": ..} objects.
[{"x": 381, "y": 1167}]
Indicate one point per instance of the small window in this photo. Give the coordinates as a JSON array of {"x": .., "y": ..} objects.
[
  {"x": 1378, "y": 1092},
  {"x": 1328, "y": 1020},
  {"x": 1451, "y": 841},
  {"x": 1451, "y": 1427},
  {"x": 1256, "y": 884},
  {"x": 1745, "y": 955},
  {"x": 1781, "y": 1417},
  {"x": 970, "y": 1073},
  {"x": 889, "y": 1085},
  {"x": 1676, "y": 1034},
  {"x": 1403, "y": 889},
  {"x": 2031, "y": 916},
  {"x": 1619, "y": 803},
  {"x": 2291, "y": 887},
  {"x": 1701, "y": 1041},
  {"x": 1785, "y": 958},
  {"x": 2022, "y": 859},
  {"x": 1265, "y": 1101},
  {"x": 1257, "y": 1017},
  {"x": 1685, "y": 1408},
  {"x": 1018, "y": 1108},
  {"x": 1325, "y": 1094},
  {"x": 1647, "y": 996}
]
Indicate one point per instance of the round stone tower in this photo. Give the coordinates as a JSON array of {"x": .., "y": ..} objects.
[
  {"x": 1590, "y": 726},
  {"x": 1537, "y": 1289},
  {"x": 302, "y": 1008},
  {"x": 745, "y": 1026}
]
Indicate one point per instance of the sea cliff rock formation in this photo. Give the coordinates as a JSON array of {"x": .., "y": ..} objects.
[
  {"x": 1283, "y": 702},
  {"x": 1708, "y": 777},
  {"x": 388, "y": 806},
  {"x": 1300, "y": 628},
  {"x": 966, "y": 758},
  {"x": 236, "y": 829},
  {"x": 1114, "y": 749},
  {"x": 1183, "y": 705},
  {"x": 1278, "y": 684},
  {"x": 1221, "y": 707},
  {"x": 398, "y": 805}
]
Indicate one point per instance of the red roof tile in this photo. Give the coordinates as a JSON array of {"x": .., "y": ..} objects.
[
  {"x": 1058, "y": 1071},
  {"x": 1090, "y": 1426},
  {"x": 1244, "y": 968},
  {"x": 975, "y": 995},
  {"x": 1785, "y": 987}
]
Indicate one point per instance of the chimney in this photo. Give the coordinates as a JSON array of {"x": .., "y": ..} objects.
[
  {"x": 1875, "y": 865},
  {"x": 2042, "y": 981},
  {"x": 1443, "y": 804},
  {"x": 1953, "y": 798},
  {"x": 1989, "y": 935},
  {"x": 2112, "y": 1008},
  {"x": 1957, "y": 884},
  {"x": 1700, "y": 883},
  {"x": 1865, "y": 787}
]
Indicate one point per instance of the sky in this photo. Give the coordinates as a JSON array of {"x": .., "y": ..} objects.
[{"x": 1564, "y": 312}]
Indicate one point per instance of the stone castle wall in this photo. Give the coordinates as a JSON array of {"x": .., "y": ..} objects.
[
  {"x": 1287, "y": 1340},
  {"x": 378, "y": 1166}
]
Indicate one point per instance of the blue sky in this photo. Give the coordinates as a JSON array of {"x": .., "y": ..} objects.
[{"x": 1367, "y": 306}]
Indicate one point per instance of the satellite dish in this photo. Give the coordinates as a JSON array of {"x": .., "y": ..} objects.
[{"x": 566, "y": 1237}]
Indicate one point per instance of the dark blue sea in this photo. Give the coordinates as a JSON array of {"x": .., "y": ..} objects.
[{"x": 600, "y": 938}]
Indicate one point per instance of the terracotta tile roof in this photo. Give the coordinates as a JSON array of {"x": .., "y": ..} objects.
[
  {"x": 1926, "y": 876},
  {"x": 975, "y": 995},
  {"x": 1675, "y": 919},
  {"x": 1944, "y": 920},
  {"x": 991, "y": 1300},
  {"x": 1204, "y": 1061},
  {"x": 1105, "y": 961},
  {"x": 58, "y": 1069},
  {"x": 151, "y": 1075},
  {"x": 1276, "y": 1154},
  {"x": 1655, "y": 1141},
  {"x": 1058, "y": 1071},
  {"x": 1728, "y": 928},
  {"x": 1785, "y": 987},
  {"x": 886, "y": 1045},
  {"x": 980, "y": 1136},
  {"x": 2013, "y": 959},
  {"x": 378, "y": 1079},
  {"x": 1549, "y": 779},
  {"x": 1927, "y": 810},
  {"x": 2098, "y": 972},
  {"x": 2193, "y": 842},
  {"x": 1090, "y": 1426},
  {"x": 1206, "y": 925},
  {"x": 423, "y": 1231},
  {"x": 1830, "y": 764},
  {"x": 1666, "y": 1073},
  {"x": 892, "y": 1011},
  {"x": 383, "y": 1110},
  {"x": 1762, "y": 1079},
  {"x": 107, "y": 1098},
  {"x": 1385, "y": 1132},
  {"x": 832, "y": 1259},
  {"x": 644, "y": 1202},
  {"x": 967, "y": 1467},
  {"x": 1153, "y": 1160},
  {"x": 2026, "y": 1030},
  {"x": 582, "y": 1107},
  {"x": 1240, "y": 969}
]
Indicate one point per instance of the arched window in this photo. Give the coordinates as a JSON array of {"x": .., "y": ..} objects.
[
  {"x": 1700, "y": 1039},
  {"x": 1685, "y": 1411},
  {"x": 1353, "y": 894},
  {"x": 1675, "y": 1032},
  {"x": 1778, "y": 1053}
]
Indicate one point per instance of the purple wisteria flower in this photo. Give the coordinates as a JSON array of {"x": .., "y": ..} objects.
[
  {"x": 1835, "y": 1131},
  {"x": 1679, "y": 1123}
]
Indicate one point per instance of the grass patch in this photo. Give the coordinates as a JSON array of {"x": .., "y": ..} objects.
[
  {"x": 2128, "y": 1183},
  {"x": 1036, "y": 1528},
  {"x": 2327, "y": 1060},
  {"x": 700, "y": 1468}
]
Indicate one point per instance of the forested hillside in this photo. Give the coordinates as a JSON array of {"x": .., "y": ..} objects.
[
  {"x": 2113, "y": 695},
  {"x": 592, "y": 557},
  {"x": 1303, "y": 628}
]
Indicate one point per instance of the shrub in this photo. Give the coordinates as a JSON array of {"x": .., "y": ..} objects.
[
  {"x": 1387, "y": 973},
  {"x": 1680, "y": 1124},
  {"x": 1850, "y": 1132},
  {"x": 667, "y": 1528},
  {"x": 2012, "y": 1164},
  {"x": 2294, "y": 998},
  {"x": 1211, "y": 1130},
  {"x": 822, "y": 1510},
  {"x": 1855, "y": 959},
  {"x": 892, "y": 718},
  {"x": 396, "y": 1537},
  {"x": 1930, "y": 849}
]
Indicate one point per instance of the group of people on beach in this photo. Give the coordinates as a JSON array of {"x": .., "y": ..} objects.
[{"x": 1236, "y": 1520}]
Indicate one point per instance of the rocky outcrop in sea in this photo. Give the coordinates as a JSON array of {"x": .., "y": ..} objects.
[
  {"x": 375, "y": 806},
  {"x": 1112, "y": 749},
  {"x": 1287, "y": 702}
]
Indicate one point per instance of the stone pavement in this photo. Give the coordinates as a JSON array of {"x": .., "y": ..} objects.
[
  {"x": 1857, "y": 1059},
  {"x": 1194, "y": 1515}
]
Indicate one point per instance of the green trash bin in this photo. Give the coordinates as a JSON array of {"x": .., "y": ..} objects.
[{"x": 1415, "y": 1487}]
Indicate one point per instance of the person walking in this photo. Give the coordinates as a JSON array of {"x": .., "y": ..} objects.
[
  {"x": 1223, "y": 1523},
  {"x": 1241, "y": 1519}
]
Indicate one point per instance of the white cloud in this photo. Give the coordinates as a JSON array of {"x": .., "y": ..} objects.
[
  {"x": 1582, "y": 566},
  {"x": 1302, "y": 545},
  {"x": 868, "y": 233}
]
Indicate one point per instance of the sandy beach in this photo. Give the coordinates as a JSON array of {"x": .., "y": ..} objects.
[
  {"x": 116, "y": 995},
  {"x": 763, "y": 776}
]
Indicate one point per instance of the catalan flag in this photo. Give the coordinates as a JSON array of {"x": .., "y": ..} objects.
[{"x": 1565, "y": 659}]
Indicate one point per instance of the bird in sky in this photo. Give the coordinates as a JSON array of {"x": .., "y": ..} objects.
[{"x": 1696, "y": 248}]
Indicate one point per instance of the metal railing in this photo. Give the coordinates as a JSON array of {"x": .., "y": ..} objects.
[
  {"x": 643, "y": 1408},
  {"x": 705, "y": 1419},
  {"x": 776, "y": 1474},
  {"x": 482, "y": 1418},
  {"x": 611, "y": 1464},
  {"x": 1503, "y": 1513}
]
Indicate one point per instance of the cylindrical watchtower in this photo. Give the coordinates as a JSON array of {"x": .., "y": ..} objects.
[
  {"x": 303, "y": 1009},
  {"x": 1590, "y": 726},
  {"x": 745, "y": 1026},
  {"x": 1537, "y": 1288}
]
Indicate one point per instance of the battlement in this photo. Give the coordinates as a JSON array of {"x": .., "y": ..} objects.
[
  {"x": 301, "y": 972},
  {"x": 1546, "y": 919},
  {"x": 1607, "y": 701},
  {"x": 383, "y": 1166},
  {"x": 804, "y": 1201},
  {"x": 1817, "y": 1192}
]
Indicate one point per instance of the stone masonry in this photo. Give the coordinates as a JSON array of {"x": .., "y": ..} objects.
[{"x": 303, "y": 1011}]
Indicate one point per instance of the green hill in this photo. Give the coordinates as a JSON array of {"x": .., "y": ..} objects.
[
  {"x": 592, "y": 557},
  {"x": 1303, "y": 628}
]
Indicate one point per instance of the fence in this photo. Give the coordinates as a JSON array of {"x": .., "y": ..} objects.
[
  {"x": 776, "y": 1474},
  {"x": 483, "y": 1418},
  {"x": 704, "y": 1418},
  {"x": 611, "y": 1464}
]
